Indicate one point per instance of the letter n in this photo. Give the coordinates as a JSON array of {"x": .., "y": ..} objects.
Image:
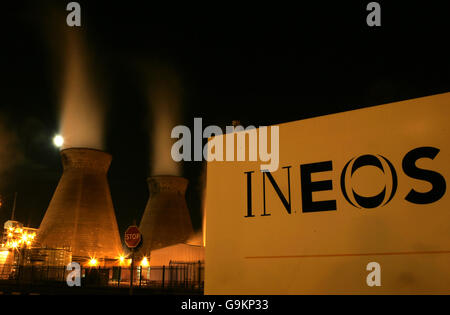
[{"x": 286, "y": 203}]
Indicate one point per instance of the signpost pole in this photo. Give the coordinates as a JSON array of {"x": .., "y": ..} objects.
[
  {"x": 131, "y": 271},
  {"x": 132, "y": 239}
]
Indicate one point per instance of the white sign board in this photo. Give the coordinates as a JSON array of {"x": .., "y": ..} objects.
[{"x": 354, "y": 188}]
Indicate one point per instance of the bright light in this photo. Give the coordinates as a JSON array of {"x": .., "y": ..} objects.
[
  {"x": 3, "y": 256},
  {"x": 144, "y": 262},
  {"x": 121, "y": 259},
  {"x": 58, "y": 141},
  {"x": 93, "y": 262}
]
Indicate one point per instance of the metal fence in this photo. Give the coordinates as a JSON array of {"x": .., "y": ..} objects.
[{"x": 175, "y": 275}]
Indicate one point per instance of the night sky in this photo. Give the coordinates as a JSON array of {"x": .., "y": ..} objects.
[{"x": 260, "y": 63}]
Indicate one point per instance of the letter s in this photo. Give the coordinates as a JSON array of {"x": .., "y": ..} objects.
[{"x": 435, "y": 179}]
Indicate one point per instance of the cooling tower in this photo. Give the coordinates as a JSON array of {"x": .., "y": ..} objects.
[
  {"x": 81, "y": 214},
  {"x": 166, "y": 220}
]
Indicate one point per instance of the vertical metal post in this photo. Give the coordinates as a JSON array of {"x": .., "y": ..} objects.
[
  {"x": 163, "y": 276},
  {"x": 14, "y": 207},
  {"x": 199, "y": 273},
  {"x": 131, "y": 271}
]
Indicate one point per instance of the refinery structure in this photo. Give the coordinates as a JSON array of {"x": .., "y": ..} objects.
[
  {"x": 81, "y": 214},
  {"x": 80, "y": 223},
  {"x": 80, "y": 226}
]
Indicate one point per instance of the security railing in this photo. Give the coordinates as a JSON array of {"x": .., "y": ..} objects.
[{"x": 176, "y": 275}]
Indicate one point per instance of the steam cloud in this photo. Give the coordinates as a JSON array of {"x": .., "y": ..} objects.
[
  {"x": 165, "y": 97},
  {"x": 81, "y": 113}
]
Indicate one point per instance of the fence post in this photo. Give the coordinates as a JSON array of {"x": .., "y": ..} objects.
[
  {"x": 17, "y": 274},
  {"x": 131, "y": 271},
  {"x": 199, "y": 274},
  {"x": 119, "y": 276},
  {"x": 32, "y": 277},
  {"x": 163, "y": 275}
]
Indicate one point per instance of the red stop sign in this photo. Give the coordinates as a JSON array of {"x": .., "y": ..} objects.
[{"x": 132, "y": 236}]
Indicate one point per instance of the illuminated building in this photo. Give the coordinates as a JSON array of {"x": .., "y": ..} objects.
[{"x": 16, "y": 236}]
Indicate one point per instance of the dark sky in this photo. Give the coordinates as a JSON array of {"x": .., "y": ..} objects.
[{"x": 259, "y": 63}]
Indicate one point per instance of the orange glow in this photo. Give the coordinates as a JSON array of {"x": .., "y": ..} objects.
[
  {"x": 19, "y": 237},
  {"x": 93, "y": 262},
  {"x": 3, "y": 256},
  {"x": 144, "y": 262}
]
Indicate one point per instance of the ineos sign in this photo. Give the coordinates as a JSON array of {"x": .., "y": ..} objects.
[
  {"x": 352, "y": 189},
  {"x": 308, "y": 186}
]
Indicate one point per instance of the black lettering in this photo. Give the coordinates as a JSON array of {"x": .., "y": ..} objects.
[
  {"x": 368, "y": 202},
  {"x": 249, "y": 195},
  {"x": 308, "y": 187},
  {"x": 435, "y": 179},
  {"x": 286, "y": 203}
]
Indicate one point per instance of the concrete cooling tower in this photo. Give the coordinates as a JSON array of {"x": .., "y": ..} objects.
[
  {"x": 166, "y": 220},
  {"x": 81, "y": 214}
]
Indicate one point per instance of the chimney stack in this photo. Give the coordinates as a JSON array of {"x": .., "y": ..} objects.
[
  {"x": 81, "y": 213},
  {"x": 166, "y": 220}
]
